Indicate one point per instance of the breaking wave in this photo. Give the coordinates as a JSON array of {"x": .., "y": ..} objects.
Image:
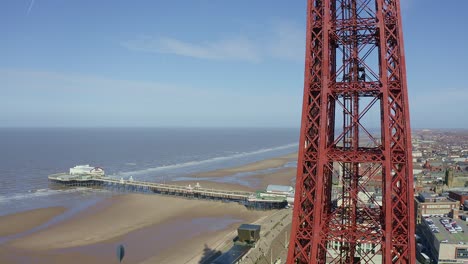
[
  {"x": 207, "y": 161},
  {"x": 39, "y": 193}
]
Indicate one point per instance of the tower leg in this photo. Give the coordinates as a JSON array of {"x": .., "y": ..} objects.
[{"x": 354, "y": 185}]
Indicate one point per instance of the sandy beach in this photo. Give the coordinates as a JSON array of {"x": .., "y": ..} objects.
[
  {"x": 153, "y": 228},
  {"x": 24, "y": 221},
  {"x": 259, "y": 180},
  {"x": 112, "y": 221},
  {"x": 259, "y": 165}
]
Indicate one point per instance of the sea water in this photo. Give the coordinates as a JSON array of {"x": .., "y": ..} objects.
[{"x": 29, "y": 155}]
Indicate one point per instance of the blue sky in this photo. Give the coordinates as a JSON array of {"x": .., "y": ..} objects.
[{"x": 198, "y": 63}]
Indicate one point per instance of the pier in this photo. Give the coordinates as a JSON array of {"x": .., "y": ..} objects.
[{"x": 249, "y": 199}]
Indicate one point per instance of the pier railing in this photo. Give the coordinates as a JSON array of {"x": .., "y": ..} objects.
[{"x": 249, "y": 199}]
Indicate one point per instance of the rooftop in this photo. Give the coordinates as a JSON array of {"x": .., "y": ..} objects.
[
  {"x": 432, "y": 197},
  {"x": 444, "y": 235},
  {"x": 64, "y": 177},
  {"x": 279, "y": 188},
  {"x": 249, "y": 227}
]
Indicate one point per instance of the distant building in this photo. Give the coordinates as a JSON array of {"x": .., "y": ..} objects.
[
  {"x": 431, "y": 204},
  {"x": 449, "y": 177},
  {"x": 279, "y": 189},
  {"x": 417, "y": 154},
  {"x": 433, "y": 165},
  {"x": 463, "y": 165},
  {"x": 86, "y": 170},
  {"x": 362, "y": 248},
  {"x": 460, "y": 196},
  {"x": 445, "y": 245}
]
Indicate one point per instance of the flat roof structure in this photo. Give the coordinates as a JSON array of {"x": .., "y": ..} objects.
[
  {"x": 444, "y": 235},
  {"x": 445, "y": 247},
  {"x": 279, "y": 188},
  {"x": 250, "y": 227},
  {"x": 71, "y": 177},
  {"x": 461, "y": 196}
]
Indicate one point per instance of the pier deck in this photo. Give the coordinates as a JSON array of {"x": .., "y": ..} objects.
[{"x": 249, "y": 199}]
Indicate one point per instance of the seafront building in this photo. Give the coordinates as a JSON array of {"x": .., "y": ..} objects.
[
  {"x": 86, "y": 170},
  {"x": 445, "y": 244},
  {"x": 431, "y": 204},
  {"x": 280, "y": 189},
  {"x": 364, "y": 249}
]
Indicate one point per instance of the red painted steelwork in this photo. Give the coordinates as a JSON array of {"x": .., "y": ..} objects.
[{"x": 354, "y": 186}]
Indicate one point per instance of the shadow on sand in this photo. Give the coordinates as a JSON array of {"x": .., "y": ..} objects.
[{"x": 209, "y": 255}]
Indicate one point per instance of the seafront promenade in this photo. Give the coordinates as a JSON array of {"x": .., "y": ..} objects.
[{"x": 249, "y": 199}]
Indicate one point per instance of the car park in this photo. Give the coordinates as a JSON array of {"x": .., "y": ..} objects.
[{"x": 444, "y": 221}]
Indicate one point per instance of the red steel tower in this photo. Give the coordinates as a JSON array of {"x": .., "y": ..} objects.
[{"x": 354, "y": 186}]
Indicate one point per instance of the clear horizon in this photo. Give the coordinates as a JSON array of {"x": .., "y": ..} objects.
[
  {"x": 202, "y": 127},
  {"x": 202, "y": 64}
]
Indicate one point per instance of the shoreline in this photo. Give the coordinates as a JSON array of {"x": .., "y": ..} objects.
[
  {"x": 123, "y": 218},
  {"x": 249, "y": 177},
  {"x": 163, "y": 222},
  {"x": 284, "y": 176},
  {"x": 276, "y": 162}
]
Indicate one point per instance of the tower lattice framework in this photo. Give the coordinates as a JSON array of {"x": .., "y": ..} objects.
[{"x": 354, "y": 186}]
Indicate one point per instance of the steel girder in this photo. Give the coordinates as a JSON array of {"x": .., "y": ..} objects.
[{"x": 354, "y": 65}]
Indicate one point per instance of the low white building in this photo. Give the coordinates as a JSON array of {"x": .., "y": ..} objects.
[
  {"x": 280, "y": 189},
  {"x": 86, "y": 170}
]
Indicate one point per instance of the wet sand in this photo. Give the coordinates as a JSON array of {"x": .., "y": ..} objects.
[
  {"x": 120, "y": 215},
  {"x": 285, "y": 176},
  {"x": 135, "y": 220},
  {"x": 259, "y": 179},
  {"x": 24, "y": 221},
  {"x": 153, "y": 228},
  {"x": 259, "y": 165}
]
